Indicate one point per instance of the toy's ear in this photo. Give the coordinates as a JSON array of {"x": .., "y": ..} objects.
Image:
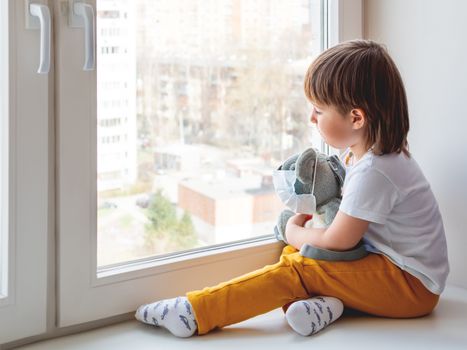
[
  {"x": 289, "y": 164},
  {"x": 305, "y": 165},
  {"x": 337, "y": 168}
]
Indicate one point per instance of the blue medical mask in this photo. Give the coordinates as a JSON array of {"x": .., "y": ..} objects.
[{"x": 284, "y": 184}]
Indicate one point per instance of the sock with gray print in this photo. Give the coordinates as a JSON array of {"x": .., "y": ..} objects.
[
  {"x": 175, "y": 314},
  {"x": 307, "y": 317}
]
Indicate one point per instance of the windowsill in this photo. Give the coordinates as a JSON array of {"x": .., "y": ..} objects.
[
  {"x": 184, "y": 260},
  {"x": 444, "y": 328}
]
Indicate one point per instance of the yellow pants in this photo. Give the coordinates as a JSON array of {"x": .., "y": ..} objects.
[{"x": 373, "y": 285}]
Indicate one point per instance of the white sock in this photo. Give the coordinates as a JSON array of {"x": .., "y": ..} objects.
[
  {"x": 307, "y": 317},
  {"x": 175, "y": 314}
]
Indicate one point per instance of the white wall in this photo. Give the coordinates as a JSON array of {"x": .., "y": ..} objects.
[{"x": 428, "y": 41}]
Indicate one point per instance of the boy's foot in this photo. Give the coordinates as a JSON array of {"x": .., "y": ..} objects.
[
  {"x": 175, "y": 314},
  {"x": 307, "y": 317}
]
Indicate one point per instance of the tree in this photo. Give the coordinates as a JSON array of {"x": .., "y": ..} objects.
[
  {"x": 165, "y": 227},
  {"x": 161, "y": 213},
  {"x": 185, "y": 235}
]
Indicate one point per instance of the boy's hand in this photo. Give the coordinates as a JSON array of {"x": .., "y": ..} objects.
[
  {"x": 298, "y": 220},
  {"x": 343, "y": 234},
  {"x": 294, "y": 225}
]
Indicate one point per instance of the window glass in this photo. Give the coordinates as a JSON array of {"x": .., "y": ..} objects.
[{"x": 198, "y": 101}]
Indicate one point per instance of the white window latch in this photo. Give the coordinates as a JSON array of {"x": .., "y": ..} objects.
[
  {"x": 81, "y": 14},
  {"x": 38, "y": 17}
]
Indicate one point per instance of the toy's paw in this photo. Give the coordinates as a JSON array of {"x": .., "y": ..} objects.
[
  {"x": 279, "y": 230},
  {"x": 305, "y": 165},
  {"x": 280, "y": 236}
]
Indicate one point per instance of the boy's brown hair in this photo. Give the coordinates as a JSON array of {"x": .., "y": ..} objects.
[{"x": 361, "y": 74}]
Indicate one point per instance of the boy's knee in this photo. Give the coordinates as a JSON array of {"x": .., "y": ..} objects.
[
  {"x": 292, "y": 258},
  {"x": 288, "y": 249}
]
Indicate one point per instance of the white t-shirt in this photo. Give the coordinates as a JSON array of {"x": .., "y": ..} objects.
[{"x": 391, "y": 192}]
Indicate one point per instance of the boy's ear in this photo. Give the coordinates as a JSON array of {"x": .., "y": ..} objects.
[{"x": 358, "y": 118}]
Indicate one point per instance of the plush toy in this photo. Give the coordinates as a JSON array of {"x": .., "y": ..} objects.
[{"x": 311, "y": 183}]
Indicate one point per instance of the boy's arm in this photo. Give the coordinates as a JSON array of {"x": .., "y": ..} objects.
[{"x": 343, "y": 234}]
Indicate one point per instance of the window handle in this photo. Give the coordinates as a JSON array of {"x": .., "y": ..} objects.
[
  {"x": 43, "y": 13},
  {"x": 83, "y": 15}
]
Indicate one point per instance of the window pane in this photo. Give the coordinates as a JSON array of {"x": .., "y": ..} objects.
[
  {"x": 198, "y": 101},
  {"x": 3, "y": 148}
]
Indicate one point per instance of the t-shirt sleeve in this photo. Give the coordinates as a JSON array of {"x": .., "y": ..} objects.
[{"x": 369, "y": 195}]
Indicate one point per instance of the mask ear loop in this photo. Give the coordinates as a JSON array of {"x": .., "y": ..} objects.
[{"x": 314, "y": 175}]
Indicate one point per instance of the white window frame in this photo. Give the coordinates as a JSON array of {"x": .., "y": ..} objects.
[
  {"x": 26, "y": 143},
  {"x": 345, "y": 19},
  {"x": 84, "y": 296},
  {"x": 4, "y": 153}
]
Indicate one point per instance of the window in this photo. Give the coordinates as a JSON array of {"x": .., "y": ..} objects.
[
  {"x": 85, "y": 153},
  {"x": 219, "y": 112},
  {"x": 187, "y": 119}
]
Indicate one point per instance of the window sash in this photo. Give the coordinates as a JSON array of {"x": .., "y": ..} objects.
[
  {"x": 86, "y": 293},
  {"x": 26, "y": 179}
]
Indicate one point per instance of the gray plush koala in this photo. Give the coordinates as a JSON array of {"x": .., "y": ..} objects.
[{"x": 330, "y": 175}]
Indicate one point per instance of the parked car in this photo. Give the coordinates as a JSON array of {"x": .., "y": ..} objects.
[
  {"x": 108, "y": 205},
  {"x": 144, "y": 200}
]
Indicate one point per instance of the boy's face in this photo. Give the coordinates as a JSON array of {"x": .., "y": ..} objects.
[{"x": 338, "y": 130}]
